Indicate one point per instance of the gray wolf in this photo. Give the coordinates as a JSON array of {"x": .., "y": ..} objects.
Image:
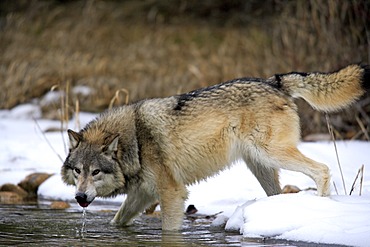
[{"x": 152, "y": 149}]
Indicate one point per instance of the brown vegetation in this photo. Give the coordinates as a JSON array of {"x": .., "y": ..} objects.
[{"x": 160, "y": 48}]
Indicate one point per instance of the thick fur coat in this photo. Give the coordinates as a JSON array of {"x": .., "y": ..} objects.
[{"x": 151, "y": 150}]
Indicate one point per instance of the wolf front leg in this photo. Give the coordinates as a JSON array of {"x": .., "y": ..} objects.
[
  {"x": 172, "y": 198},
  {"x": 135, "y": 203}
]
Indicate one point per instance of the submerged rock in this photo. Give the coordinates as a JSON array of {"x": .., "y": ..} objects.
[
  {"x": 25, "y": 191},
  {"x": 8, "y": 197},
  {"x": 32, "y": 182},
  {"x": 59, "y": 205},
  {"x": 12, "y": 194},
  {"x": 14, "y": 189},
  {"x": 191, "y": 209}
]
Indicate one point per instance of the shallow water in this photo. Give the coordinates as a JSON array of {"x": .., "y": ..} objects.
[{"x": 31, "y": 225}]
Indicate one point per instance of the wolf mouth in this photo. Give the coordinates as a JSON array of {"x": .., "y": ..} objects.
[
  {"x": 83, "y": 204},
  {"x": 81, "y": 199}
]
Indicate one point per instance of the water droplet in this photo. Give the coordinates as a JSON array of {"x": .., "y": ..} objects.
[{"x": 83, "y": 228}]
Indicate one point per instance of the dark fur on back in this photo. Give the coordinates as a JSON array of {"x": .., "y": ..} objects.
[{"x": 183, "y": 99}]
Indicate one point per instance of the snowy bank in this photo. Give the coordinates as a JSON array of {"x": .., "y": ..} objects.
[{"x": 305, "y": 217}]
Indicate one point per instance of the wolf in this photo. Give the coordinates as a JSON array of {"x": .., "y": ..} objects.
[{"x": 152, "y": 149}]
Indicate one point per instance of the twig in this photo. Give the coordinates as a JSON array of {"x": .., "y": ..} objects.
[
  {"x": 62, "y": 122},
  {"x": 46, "y": 139},
  {"x": 336, "y": 151},
  {"x": 362, "y": 178},
  {"x": 360, "y": 123},
  {"x": 360, "y": 171},
  {"x": 116, "y": 97},
  {"x": 356, "y": 136},
  {"x": 62, "y": 114},
  {"x": 77, "y": 114},
  {"x": 335, "y": 187},
  {"x": 54, "y": 87},
  {"x": 354, "y": 182},
  {"x": 66, "y": 111},
  {"x": 359, "y": 108}
]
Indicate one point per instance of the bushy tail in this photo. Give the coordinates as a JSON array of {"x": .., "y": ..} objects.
[{"x": 326, "y": 91}]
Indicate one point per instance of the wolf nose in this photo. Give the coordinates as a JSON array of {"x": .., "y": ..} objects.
[{"x": 81, "y": 198}]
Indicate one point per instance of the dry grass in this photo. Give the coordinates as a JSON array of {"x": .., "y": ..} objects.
[{"x": 158, "y": 48}]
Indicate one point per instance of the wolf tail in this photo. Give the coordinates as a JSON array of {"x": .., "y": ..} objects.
[{"x": 326, "y": 91}]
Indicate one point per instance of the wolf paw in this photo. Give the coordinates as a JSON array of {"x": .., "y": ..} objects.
[{"x": 120, "y": 223}]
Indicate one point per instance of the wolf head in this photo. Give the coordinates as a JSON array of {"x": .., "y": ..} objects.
[{"x": 92, "y": 167}]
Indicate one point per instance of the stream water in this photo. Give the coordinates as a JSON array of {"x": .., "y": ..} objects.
[{"x": 31, "y": 225}]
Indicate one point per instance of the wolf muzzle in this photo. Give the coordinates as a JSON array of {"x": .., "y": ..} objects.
[{"x": 81, "y": 198}]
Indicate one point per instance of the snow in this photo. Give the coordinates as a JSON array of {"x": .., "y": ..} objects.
[
  {"x": 83, "y": 90},
  {"x": 309, "y": 218},
  {"x": 338, "y": 219},
  {"x": 51, "y": 97}
]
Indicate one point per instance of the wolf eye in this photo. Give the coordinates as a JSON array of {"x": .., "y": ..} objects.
[
  {"x": 78, "y": 171},
  {"x": 96, "y": 172}
]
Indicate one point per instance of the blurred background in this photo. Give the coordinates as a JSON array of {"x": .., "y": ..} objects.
[{"x": 95, "y": 53}]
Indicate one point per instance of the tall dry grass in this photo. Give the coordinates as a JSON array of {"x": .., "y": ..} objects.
[{"x": 161, "y": 48}]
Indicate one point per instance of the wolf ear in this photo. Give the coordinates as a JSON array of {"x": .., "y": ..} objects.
[
  {"x": 111, "y": 148},
  {"x": 74, "y": 139}
]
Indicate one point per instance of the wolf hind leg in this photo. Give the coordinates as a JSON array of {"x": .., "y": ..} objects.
[
  {"x": 267, "y": 176},
  {"x": 290, "y": 158},
  {"x": 135, "y": 203}
]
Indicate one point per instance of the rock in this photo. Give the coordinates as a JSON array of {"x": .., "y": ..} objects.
[
  {"x": 59, "y": 205},
  {"x": 106, "y": 210},
  {"x": 290, "y": 189},
  {"x": 32, "y": 182},
  {"x": 9, "y": 197},
  {"x": 191, "y": 209},
  {"x": 15, "y": 189},
  {"x": 25, "y": 191}
]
